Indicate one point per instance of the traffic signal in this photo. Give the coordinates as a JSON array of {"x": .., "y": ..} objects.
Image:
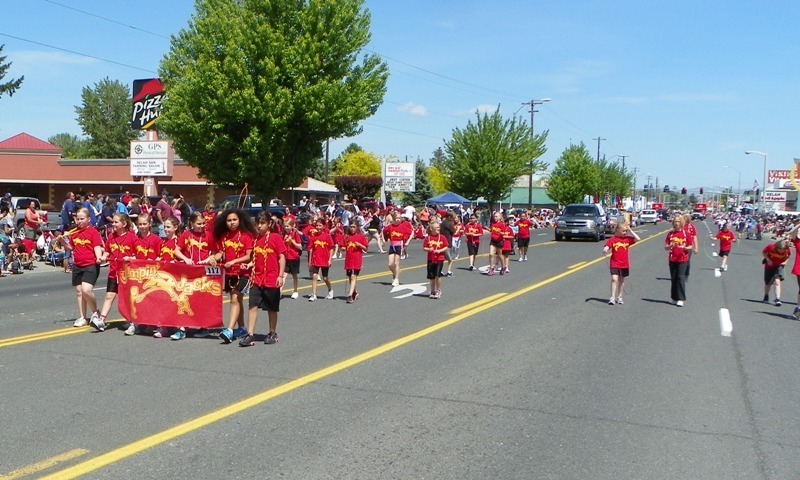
[
  {"x": 701, "y": 190},
  {"x": 683, "y": 191}
]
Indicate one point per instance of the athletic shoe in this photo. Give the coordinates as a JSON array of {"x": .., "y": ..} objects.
[
  {"x": 239, "y": 333},
  {"x": 724, "y": 268},
  {"x": 312, "y": 298},
  {"x": 179, "y": 335},
  {"x": 796, "y": 313},
  {"x": 508, "y": 270},
  {"x": 98, "y": 324},
  {"x": 619, "y": 301},
  {"x": 160, "y": 333},
  {"x": 349, "y": 299},
  {"x": 329, "y": 296},
  {"x": 294, "y": 296},
  {"x": 521, "y": 259},
  {"x": 125, "y": 325},
  {"x": 502, "y": 271},
  {"x": 130, "y": 330},
  {"x": 201, "y": 333},
  {"x": 679, "y": 303},
  {"x": 526, "y": 258},
  {"x": 395, "y": 282},
  {"x": 247, "y": 341},
  {"x": 80, "y": 322},
  {"x": 490, "y": 272},
  {"x": 438, "y": 294},
  {"x": 272, "y": 338},
  {"x": 355, "y": 295},
  {"x": 765, "y": 299},
  {"x": 226, "y": 335},
  {"x": 432, "y": 295},
  {"x": 778, "y": 302},
  {"x": 450, "y": 274},
  {"x": 471, "y": 268},
  {"x": 611, "y": 301}
]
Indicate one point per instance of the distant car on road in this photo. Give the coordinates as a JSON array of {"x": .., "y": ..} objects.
[
  {"x": 648, "y": 216},
  {"x": 581, "y": 220}
]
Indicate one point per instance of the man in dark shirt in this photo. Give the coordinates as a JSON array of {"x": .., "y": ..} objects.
[
  {"x": 68, "y": 210},
  {"x": 161, "y": 212}
]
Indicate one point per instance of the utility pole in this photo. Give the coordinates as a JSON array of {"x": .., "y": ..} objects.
[
  {"x": 533, "y": 110},
  {"x": 623, "y": 157},
  {"x": 598, "y": 146}
]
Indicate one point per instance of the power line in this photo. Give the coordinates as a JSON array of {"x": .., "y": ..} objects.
[{"x": 106, "y": 19}]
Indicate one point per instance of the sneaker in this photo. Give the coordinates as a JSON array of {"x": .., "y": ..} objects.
[
  {"x": 679, "y": 303},
  {"x": 247, "y": 341},
  {"x": 80, "y": 322},
  {"x": 272, "y": 338},
  {"x": 778, "y": 302},
  {"x": 239, "y": 333},
  {"x": 226, "y": 335},
  {"x": 432, "y": 295},
  {"x": 438, "y": 294},
  {"x": 130, "y": 330},
  {"x": 294, "y": 296},
  {"x": 611, "y": 301},
  {"x": 521, "y": 259},
  {"x": 796, "y": 313},
  {"x": 160, "y": 333},
  {"x": 508, "y": 270},
  {"x": 765, "y": 299},
  {"x": 312, "y": 298},
  {"x": 98, "y": 324},
  {"x": 471, "y": 268},
  {"x": 201, "y": 333},
  {"x": 450, "y": 274},
  {"x": 179, "y": 335},
  {"x": 502, "y": 271},
  {"x": 526, "y": 258},
  {"x": 490, "y": 272},
  {"x": 125, "y": 326},
  {"x": 349, "y": 299},
  {"x": 329, "y": 296},
  {"x": 724, "y": 268},
  {"x": 395, "y": 282},
  {"x": 619, "y": 301},
  {"x": 355, "y": 295}
]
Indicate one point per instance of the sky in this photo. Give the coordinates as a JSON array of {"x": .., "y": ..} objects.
[{"x": 681, "y": 88}]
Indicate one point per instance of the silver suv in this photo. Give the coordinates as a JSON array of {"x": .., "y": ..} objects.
[{"x": 581, "y": 220}]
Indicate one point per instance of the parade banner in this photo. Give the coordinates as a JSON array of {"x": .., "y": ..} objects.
[{"x": 171, "y": 294}]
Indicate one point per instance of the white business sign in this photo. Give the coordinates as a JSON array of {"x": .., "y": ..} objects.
[
  {"x": 400, "y": 177},
  {"x": 150, "y": 158},
  {"x": 774, "y": 196}
]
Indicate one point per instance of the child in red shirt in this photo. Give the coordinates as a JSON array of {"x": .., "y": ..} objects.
[
  {"x": 508, "y": 237},
  {"x": 120, "y": 246},
  {"x": 473, "y": 231},
  {"x": 148, "y": 244},
  {"x": 435, "y": 244},
  {"x": 524, "y": 225},
  {"x": 168, "y": 244},
  {"x": 619, "y": 264},
  {"x": 294, "y": 248},
  {"x": 337, "y": 233},
  {"x": 775, "y": 257},
  {"x": 87, "y": 251},
  {"x": 726, "y": 239},
  {"x": 496, "y": 243},
  {"x": 355, "y": 245},
  {"x": 268, "y": 264},
  {"x": 320, "y": 248}
]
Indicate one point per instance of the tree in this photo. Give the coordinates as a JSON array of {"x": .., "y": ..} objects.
[
  {"x": 612, "y": 179},
  {"x": 574, "y": 176},
  {"x": 11, "y": 86},
  {"x": 72, "y": 146},
  {"x": 438, "y": 158},
  {"x": 355, "y": 187},
  {"x": 486, "y": 157},
  {"x": 422, "y": 186},
  {"x": 104, "y": 117},
  {"x": 359, "y": 163},
  {"x": 256, "y": 86},
  {"x": 438, "y": 180}
]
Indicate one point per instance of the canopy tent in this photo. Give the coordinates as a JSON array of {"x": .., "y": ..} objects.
[{"x": 449, "y": 197}]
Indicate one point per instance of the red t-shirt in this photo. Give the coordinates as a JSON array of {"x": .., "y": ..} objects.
[
  {"x": 338, "y": 235},
  {"x": 619, "y": 250},
  {"x": 235, "y": 245},
  {"x": 776, "y": 257},
  {"x": 148, "y": 247},
  {"x": 209, "y": 216},
  {"x": 508, "y": 235},
  {"x": 524, "y": 225},
  {"x": 354, "y": 255},
  {"x": 320, "y": 247},
  {"x": 474, "y": 228},
  {"x": 796, "y": 267},
  {"x": 267, "y": 251},
  {"x": 83, "y": 244},
  {"x": 396, "y": 234},
  {"x": 496, "y": 233},
  {"x": 678, "y": 240},
  {"x": 690, "y": 230},
  {"x": 167, "y": 252},
  {"x": 725, "y": 240},
  {"x": 292, "y": 253},
  {"x": 437, "y": 242},
  {"x": 196, "y": 246},
  {"x": 118, "y": 247}
]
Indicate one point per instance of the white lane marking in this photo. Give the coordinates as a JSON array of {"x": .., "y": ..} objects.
[
  {"x": 414, "y": 289},
  {"x": 725, "y": 324}
]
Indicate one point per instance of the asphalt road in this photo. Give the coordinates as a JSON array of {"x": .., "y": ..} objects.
[{"x": 522, "y": 376}]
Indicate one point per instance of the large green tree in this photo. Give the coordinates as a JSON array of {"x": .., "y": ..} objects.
[
  {"x": 11, "y": 86},
  {"x": 256, "y": 86},
  {"x": 574, "y": 176},
  {"x": 613, "y": 180},
  {"x": 486, "y": 157},
  {"x": 104, "y": 117},
  {"x": 72, "y": 146}
]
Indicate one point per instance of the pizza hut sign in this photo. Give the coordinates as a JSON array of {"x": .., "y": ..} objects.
[{"x": 148, "y": 95}]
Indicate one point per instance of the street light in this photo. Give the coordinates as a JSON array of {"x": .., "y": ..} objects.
[
  {"x": 739, "y": 187},
  {"x": 764, "y": 185},
  {"x": 533, "y": 104}
]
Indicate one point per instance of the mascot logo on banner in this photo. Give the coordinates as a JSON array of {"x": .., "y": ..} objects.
[{"x": 157, "y": 280}]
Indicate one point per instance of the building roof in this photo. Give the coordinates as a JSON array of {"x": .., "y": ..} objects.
[
  {"x": 22, "y": 142},
  {"x": 519, "y": 196}
]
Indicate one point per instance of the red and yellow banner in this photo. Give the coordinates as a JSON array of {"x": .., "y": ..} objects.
[{"x": 171, "y": 294}]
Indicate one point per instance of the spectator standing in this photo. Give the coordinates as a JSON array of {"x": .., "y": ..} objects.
[
  {"x": 126, "y": 198},
  {"x": 88, "y": 204},
  {"x": 68, "y": 212},
  {"x": 33, "y": 222},
  {"x": 162, "y": 211}
]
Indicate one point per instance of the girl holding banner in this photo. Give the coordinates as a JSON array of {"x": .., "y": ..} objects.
[{"x": 120, "y": 246}]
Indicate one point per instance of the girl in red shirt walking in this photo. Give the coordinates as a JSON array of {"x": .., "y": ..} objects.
[{"x": 619, "y": 264}]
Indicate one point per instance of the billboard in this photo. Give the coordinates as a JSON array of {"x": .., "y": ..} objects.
[
  {"x": 147, "y": 96},
  {"x": 774, "y": 196},
  {"x": 400, "y": 177},
  {"x": 151, "y": 158}
]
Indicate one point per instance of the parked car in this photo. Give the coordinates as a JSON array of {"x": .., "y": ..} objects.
[
  {"x": 581, "y": 220},
  {"x": 251, "y": 204},
  {"x": 613, "y": 217},
  {"x": 648, "y": 216}
]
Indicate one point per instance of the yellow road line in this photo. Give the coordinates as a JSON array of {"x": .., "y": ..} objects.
[
  {"x": 472, "y": 305},
  {"x": 44, "y": 464},
  {"x": 576, "y": 265},
  {"x": 159, "y": 438}
]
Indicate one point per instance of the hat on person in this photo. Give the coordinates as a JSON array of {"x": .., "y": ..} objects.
[{"x": 7, "y": 195}]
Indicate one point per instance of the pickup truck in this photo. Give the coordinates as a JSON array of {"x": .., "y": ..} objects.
[{"x": 250, "y": 204}]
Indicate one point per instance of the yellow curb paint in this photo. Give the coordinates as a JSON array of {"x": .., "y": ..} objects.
[
  {"x": 472, "y": 305},
  {"x": 44, "y": 464},
  {"x": 159, "y": 438}
]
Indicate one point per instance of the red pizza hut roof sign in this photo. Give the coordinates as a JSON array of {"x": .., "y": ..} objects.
[{"x": 147, "y": 97}]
